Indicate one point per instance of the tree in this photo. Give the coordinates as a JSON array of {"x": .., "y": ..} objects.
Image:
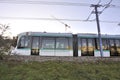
[
  {"x": 4, "y": 42},
  {"x": 3, "y": 29}
]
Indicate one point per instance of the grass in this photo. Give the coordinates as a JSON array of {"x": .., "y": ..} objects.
[{"x": 56, "y": 70}]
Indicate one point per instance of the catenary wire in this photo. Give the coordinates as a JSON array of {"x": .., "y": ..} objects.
[
  {"x": 45, "y": 3},
  {"x": 51, "y": 3},
  {"x": 51, "y": 19},
  {"x": 92, "y": 11},
  {"x": 105, "y": 7}
]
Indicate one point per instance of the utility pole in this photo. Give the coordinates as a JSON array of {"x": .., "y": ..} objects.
[{"x": 98, "y": 27}]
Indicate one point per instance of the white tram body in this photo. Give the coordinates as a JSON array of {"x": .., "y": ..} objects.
[
  {"x": 88, "y": 45},
  {"x": 44, "y": 44},
  {"x": 66, "y": 44}
]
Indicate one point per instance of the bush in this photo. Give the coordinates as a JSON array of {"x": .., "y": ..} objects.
[
  {"x": 5, "y": 42},
  {"x": 5, "y": 45}
]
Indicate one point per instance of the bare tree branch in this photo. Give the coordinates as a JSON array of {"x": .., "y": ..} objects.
[{"x": 3, "y": 28}]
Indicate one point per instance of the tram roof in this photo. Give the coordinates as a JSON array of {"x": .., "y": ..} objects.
[
  {"x": 82, "y": 35},
  {"x": 88, "y": 35},
  {"x": 46, "y": 34}
]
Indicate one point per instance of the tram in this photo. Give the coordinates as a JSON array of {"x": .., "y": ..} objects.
[
  {"x": 44, "y": 44},
  {"x": 88, "y": 45},
  {"x": 66, "y": 44}
]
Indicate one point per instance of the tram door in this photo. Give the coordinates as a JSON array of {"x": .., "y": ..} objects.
[
  {"x": 87, "y": 47},
  {"x": 113, "y": 48},
  {"x": 117, "y": 42},
  {"x": 35, "y": 46}
]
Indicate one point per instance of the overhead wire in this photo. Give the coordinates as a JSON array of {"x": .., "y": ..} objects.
[
  {"x": 45, "y": 3},
  {"x": 31, "y": 18},
  {"x": 105, "y": 7},
  {"x": 51, "y": 19},
  {"x": 92, "y": 11},
  {"x": 66, "y": 25},
  {"x": 51, "y": 3},
  {"x": 114, "y": 6},
  {"x": 109, "y": 21},
  {"x": 58, "y": 3}
]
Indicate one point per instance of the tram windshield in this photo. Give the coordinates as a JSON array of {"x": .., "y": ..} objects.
[{"x": 24, "y": 42}]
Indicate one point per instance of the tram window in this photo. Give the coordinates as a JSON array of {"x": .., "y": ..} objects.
[
  {"x": 117, "y": 42},
  {"x": 98, "y": 47},
  {"x": 62, "y": 43},
  {"x": 21, "y": 42},
  {"x": 104, "y": 44},
  {"x": 24, "y": 42},
  {"x": 84, "y": 45},
  {"x": 70, "y": 44},
  {"x": 48, "y": 43},
  {"x": 28, "y": 42},
  {"x": 35, "y": 43},
  {"x": 112, "y": 43},
  {"x": 90, "y": 42},
  {"x": 87, "y": 47},
  {"x": 79, "y": 43},
  {"x": 84, "y": 42}
]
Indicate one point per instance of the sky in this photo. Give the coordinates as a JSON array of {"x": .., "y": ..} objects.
[{"x": 27, "y": 17}]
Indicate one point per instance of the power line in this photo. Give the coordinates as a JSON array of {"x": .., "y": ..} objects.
[
  {"x": 109, "y": 21},
  {"x": 66, "y": 25},
  {"x": 105, "y": 7},
  {"x": 92, "y": 11},
  {"x": 114, "y": 6},
  {"x": 51, "y": 19},
  {"x": 28, "y": 18},
  {"x": 52, "y": 3},
  {"x": 104, "y": 21},
  {"x": 45, "y": 3}
]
